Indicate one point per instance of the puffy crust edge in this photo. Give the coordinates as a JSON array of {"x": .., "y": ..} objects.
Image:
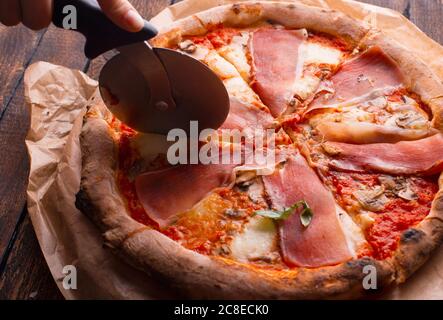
[
  {"x": 246, "y": 14},
  {"x": 417, "y": 244}
]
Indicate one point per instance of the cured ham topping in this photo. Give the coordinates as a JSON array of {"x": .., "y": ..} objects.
[
  {"x": 371, "y": 72},
  {"x": 169, "y": 192},
  {"x": 274, "y": 71},
  {"x": 323, "y": 242},
  {"x": 216, "y": 38},
  {"x": 243, "y": 116},
  {"x": 423, "y": 157}
]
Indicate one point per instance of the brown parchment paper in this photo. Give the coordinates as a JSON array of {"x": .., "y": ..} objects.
[{"x": 58, "y": 97}]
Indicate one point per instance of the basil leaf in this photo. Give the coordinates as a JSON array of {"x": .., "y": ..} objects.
[
  {"x": 276, "y": 215},
  {"x": 306, "y": 216}
]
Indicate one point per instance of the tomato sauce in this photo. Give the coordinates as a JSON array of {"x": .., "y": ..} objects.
[
  {"x": 222, "y": 37},
  {"x": 207, "y": 228},
  {"x": 329, "y": 40},
  {"x": 217, "y": 38},
  {"x": 397, "y": 216},
  {"x": 398, "y": 96},
  {"x": 127, "y": 187}
]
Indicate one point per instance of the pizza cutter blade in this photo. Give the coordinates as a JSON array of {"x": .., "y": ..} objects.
[
  {"x": 150, "y": 89},
  {"x": 157, "y": 90}
]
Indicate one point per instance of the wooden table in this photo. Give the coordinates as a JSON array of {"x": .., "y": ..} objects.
[{"x": 23, "y": 270}]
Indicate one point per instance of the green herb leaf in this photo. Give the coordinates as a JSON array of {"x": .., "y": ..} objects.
[
  {"x": 275, "y": 215},
  {"x": 306, "y": 214}
]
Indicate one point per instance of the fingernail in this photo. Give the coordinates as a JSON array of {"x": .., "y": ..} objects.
[{"x": 134, "y": 21}]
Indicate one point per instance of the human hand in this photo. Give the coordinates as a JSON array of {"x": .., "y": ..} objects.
[{"x": 37, "y": 14}]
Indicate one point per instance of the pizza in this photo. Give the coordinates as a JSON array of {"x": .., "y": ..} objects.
[{"x": 357, "y": 123}]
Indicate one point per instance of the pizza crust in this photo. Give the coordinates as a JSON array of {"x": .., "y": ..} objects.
[
  {"x": 199, "y": 276},
  {"x": 255, "y": 13}
]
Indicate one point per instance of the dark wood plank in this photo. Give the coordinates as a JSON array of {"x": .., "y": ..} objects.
[
  {"x": 398, "y": 5},
  {"x": 17, "y": 46},
  {"x": 426, "y": 14},
  {"x": 26, "y": 275},
  {"x": 59, "y": 47}
]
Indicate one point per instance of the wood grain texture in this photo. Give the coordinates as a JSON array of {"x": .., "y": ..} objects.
[
  {"x": 19, "y": 251},
  {"x": 27, "y": 276},
  {"x": 426, "y": 14},
  {"x": 56, "y": 46},
  {"x": 23, "y": 271},
  {"x": 17, "y": 46},
  {"x": 397, "y": 5}
]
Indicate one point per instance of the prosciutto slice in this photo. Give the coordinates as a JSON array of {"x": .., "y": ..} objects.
[
  {"x": 364, "y": 133},
  {"x": 167, "y": 193},
  {"x": 371, "y": 72},
  {"x": 274, "y": 71},
  {"x": 423, "y": 156},
  {"x": 323, "y": 242},
  {"x": 243, "y": 116}
]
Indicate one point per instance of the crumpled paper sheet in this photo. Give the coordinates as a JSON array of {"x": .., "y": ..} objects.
[{"x": 58, "y": 97}]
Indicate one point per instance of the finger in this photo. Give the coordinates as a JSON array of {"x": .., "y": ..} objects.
[
  {"x": 10, "y": 12},
  {"x": 36, "y": 14},
  {"x": 123, "y": 14}
]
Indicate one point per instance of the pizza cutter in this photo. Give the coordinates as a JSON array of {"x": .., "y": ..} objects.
[{"x": 152, "y": 90}]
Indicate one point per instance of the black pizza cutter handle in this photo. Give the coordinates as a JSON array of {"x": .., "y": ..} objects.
[{"x": 100, "y": 32}]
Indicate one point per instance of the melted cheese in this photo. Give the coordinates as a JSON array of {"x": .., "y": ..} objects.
[
  {"x": 235, "y": 53},
  {"x": 316, "y": 53},
  {"x": 399, "y": 115},
  {"x": 150, "y": 146},
  {"x": 200, "y": 53},
  {"x": 354, "y": 235},
  {"x": 258, "y": 239},
  {"x": 227, "y": 68},
  {"x": 311, "y": 56},
  {"x": 220, "y": 66},
  {"x": 238, "y": 88},
  {"x": 215, "y": 62},
  {"x": 306, "y": 86}
]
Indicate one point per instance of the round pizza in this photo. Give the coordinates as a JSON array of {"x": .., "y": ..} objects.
[{"x": 354, "y": 191}]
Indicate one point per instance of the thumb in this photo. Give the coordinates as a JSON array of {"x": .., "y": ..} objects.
[{"x": 123, "y": 14}]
